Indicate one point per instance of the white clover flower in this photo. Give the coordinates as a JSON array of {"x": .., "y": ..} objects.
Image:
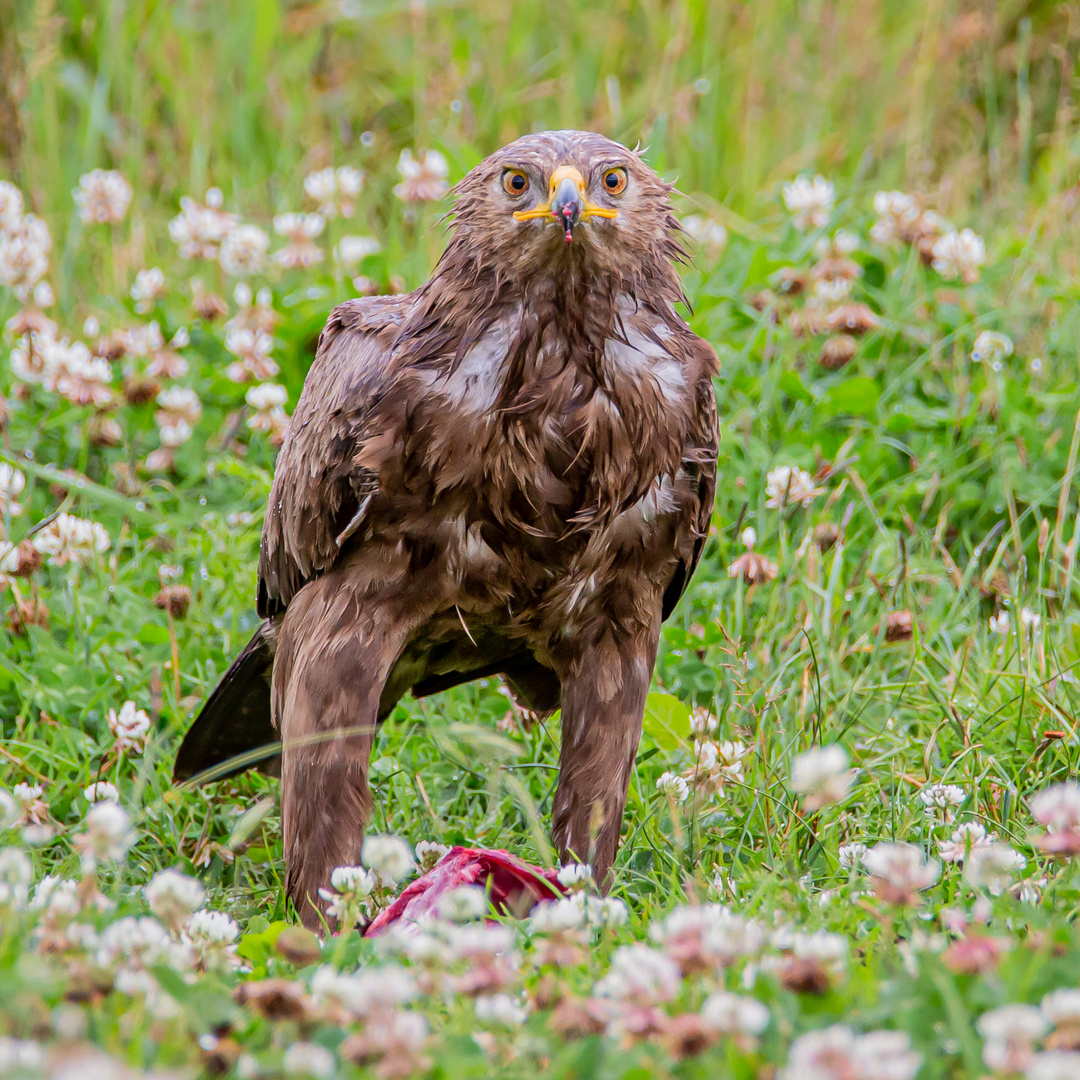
[
  {"x": 702, "y": 721},
  {"x": 243, "y": 251},
  {"x": 969, "y": 835},
  {"x": 134, "y": 942},
  {"x": 351, "y": 250},
  {"x": 12, "y": 482},
  {"x": 1010, "y": 1032},
  {"x": 1058, "y": 807},
  {"x": 837, "y": 1053},
  {"x": 822, "y": 776},
  {"x": 308, "y": 1059},
  {"x": 673, "y": 786},
  {"x": 173, "y": 896},
  {"x": 900, "y": 873},
  {"x": 959, "y": 255},
  {"x": 24, "y": 255},
  {"x": 350, "y": 182},
  {"x": 1030, "y": 620},
  {"x": 299, "y": 227},
  {"x": 708, "y": 233},
  {"x": 500, "y": 1009},
  {"x": 130, "y": 727},
  {"x": 1062, "y": 1006},
  {"x": 557, "y": 916},
  {"x": 11, "y": 205},
  {"x": 707, "y": 932},
  {"x": 69, "y": 539},
  {"x": 897, "y": 214},
  {"x": 809, "y": 201},
  {"x": 366, "y": 991},
  {"x": 198, "y": 230},
  {"x": 939, "y": 797},
  {"x": 9, "y": 810},
  {"x": 57, "y": 897},
  {"x": 20, "y": 1056},
  {"x": 733, "y": 1014},
  {"x": 16, "y": 873},
  {"x": 821, "y": 945},
  {"x": 1000, "y": 623},
  {"x": 268, "y": 401},
  {"x": 149, "y": 285},
  {"x": 748, "y": 537},
  {"x": 423, "y": 179},
  {"x": 428, "y": 853},
  {"x": 788, "y": 485},
  {"x": 479, "y": 941},
  {"x": 107, "y": 837},
  {"x": 640, "y": 974},
  {"x": 574, "y": 876},
  {"x": 321, "y": 187},
  {"x": 1053, "y": 1065},
  {"x": 103, "y": 197},
  {"x": 211, "y": 936},
  {"x": 389, "y": 857},
  {"x": 101, "y": 791},
  {"x": 464, "y": 903},
  {"x": 301, "y": 251},
  {"x": 992, "y": 348},
  {"x": 353, "y": 885},
  {"x": 992, "y": 866},
  {"x": 851, "y": 854}
]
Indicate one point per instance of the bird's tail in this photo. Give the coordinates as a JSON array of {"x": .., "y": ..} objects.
[{"x": 235, "y": 723}]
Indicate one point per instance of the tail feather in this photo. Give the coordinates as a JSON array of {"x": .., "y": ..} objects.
[{"x": 236, "y": 718}]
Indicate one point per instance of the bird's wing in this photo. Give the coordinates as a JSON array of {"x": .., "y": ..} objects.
[
  {"x": 318, "y": 488},
  {"x": 699, "y": 463}
]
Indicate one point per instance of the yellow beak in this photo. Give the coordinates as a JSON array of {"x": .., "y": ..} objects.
[{"x": 566, "y": 203}]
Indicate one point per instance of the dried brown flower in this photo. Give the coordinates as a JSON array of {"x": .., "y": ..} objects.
[
  {"x": 753, "y": 568},
  {"x": 807, "y": 322},
  {"x": 23, "y": 561},
  {"x": 175, "y": 599},
  {"x": 791, "y": 281},
  {"x": 276, "y": 999},
  {"x": 852, "y": 318},
  {"x": 899, "y": 626},
  {"x": 575, "y": 1018},
  {"x": 26, "y": 613},
  {"x": 805, "y": 975},
  {"x": 298, "y": 946},
  {"x": 139, "y": 390},
  {"x": 207, "y": 305},
  {"x": 687, "y": 1035},
  {"x": 836, "y": 268},
  {"x": 825, "y": 535},
  {"x": 974, "y": 954},
  {"x": 837, "y": 351},
  {"x": 104, "y": 430}
]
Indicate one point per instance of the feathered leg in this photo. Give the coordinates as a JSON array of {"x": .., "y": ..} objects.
[
  {"x": 331, "y": 665},
  {"x": 603, "y": 703}
]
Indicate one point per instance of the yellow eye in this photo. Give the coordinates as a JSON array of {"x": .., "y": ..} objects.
[
  {"x": 615, "y": 181},
  {"x": 515, "y": 183}
]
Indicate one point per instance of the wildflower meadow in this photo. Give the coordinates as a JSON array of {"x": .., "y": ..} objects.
[{"x": 851, "y": 842}]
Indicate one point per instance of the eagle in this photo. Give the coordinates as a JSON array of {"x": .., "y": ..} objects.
[{"x": 508, "y": 472}]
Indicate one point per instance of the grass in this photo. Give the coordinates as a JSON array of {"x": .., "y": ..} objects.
[{"x": 951, "y": 486}]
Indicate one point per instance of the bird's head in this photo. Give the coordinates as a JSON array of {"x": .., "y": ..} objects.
[{"x": 557, "y": 199}]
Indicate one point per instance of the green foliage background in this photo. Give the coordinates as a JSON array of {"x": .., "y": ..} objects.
[{"x": 944, "y": 469}]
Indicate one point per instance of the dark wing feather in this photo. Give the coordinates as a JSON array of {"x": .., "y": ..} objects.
[
  {"x": 318, "y": 487},
  {"x": 699, "y": 462}
]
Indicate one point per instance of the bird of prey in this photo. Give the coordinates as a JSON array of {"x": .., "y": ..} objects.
[{"x": 509, "y": 471}]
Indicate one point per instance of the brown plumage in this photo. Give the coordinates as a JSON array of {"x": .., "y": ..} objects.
[{"x": 509, "y": 471}]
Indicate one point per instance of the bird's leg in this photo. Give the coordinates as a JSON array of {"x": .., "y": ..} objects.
[
  {"x": 603, "y": 703},
  {"x": 332, "y": 661}
]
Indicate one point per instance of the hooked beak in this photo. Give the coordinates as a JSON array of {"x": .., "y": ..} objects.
[{"x": 566, "y": 202}]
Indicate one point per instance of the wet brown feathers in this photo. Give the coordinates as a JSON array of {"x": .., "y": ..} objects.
[{"x": 509, "y": 471}]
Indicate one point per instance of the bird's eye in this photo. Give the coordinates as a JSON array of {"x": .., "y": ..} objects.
[
  {"x": 515, "y": 182},
  {"x": 615, "y": 181}
]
